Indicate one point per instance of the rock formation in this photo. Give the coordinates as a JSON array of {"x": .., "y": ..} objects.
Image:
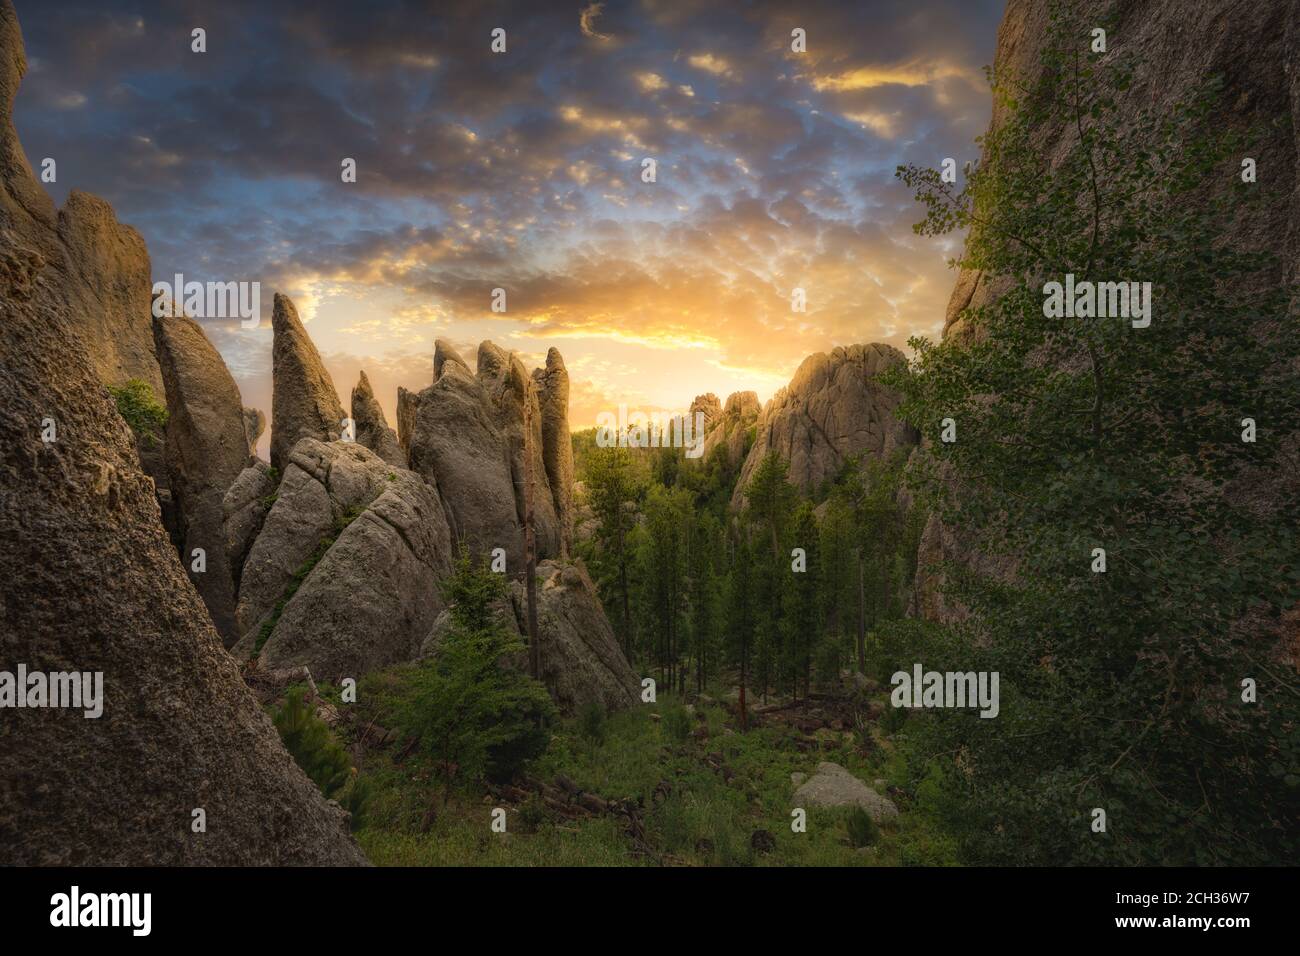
[
  {"x": 304, "y": 403},
  {"x": 730, "y": 426},
  {"x": 207, "y": 448},
  {"x": 243, "y": 510},
  {"x": 832, "y": 409},
  {"x": 343, "y": 575},
  {"x": 465, "y": 433},
  {"x": 581, "y": 659},
  {"x": 90, "y": 583},
  {"x": 372, "y": 429},
  {"x": 557, "y": 444},
  {"x": 708, "y": 404}
]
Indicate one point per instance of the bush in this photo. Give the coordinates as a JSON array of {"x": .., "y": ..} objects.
[
  {"x": 315, "y": 749},
  {"x": 138, "y": 405},
  {"x": 862, "y": 829},
  {"x": 591, "y": 722},
  {"x": 676, "y": 722}
]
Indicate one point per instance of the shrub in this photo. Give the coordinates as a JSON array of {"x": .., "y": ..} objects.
[
  {"x": 591, "y": 722},
  {"x": 138, "y": 405},
  {"x": 862, "y": 829},
  {"x": 676, "y": 722},
  {"x": 312, "y": 745}
]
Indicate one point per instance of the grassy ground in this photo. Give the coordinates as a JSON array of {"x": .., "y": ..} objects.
[{"x": 699, "y": 787}]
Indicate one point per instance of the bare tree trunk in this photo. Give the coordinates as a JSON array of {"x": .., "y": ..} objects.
[
  {"x": 862, "y": 620},
  {"x": 530, "y": 548}
]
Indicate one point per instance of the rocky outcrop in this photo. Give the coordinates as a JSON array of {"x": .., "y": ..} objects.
[
  {"x": 372, "y": 429},
  {"x": 254, "y": 426},
  {"x": 557, "y": 443},
  {"x": 709, "y": 405},
  {"x": 90, "y": 583},
  {"x": 465, "y": 433},
  {"x": 833, "y": 786},
  {"x": 243, "y": 510},
  {"x": 407, "y": 404},
  {"x": 833, "y": 409},
  {"x": 581, "y": 659},
  {"x": 207, "y": 448},
  {"x": 343, "y": 576},
  {"x": 304, "y": 403},
  {"x": 730, "y": 427},
  {"x": 1178, "y": 47}
]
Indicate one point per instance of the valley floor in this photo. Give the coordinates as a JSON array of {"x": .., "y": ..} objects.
[{"x": 668, "y": 783}]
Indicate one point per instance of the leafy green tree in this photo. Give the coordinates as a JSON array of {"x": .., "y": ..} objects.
[
  {"x": 1120, "y": 689},
  {"x": 705, "y": 585}
]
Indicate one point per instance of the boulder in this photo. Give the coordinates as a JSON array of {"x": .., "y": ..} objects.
[
  {"x": 90, "y": 583},
  {"x": 833, "y": 409},
  {"x": 304, "y": 403},
  {"x": 207, "y": 448},
  {"x": 581, "y": 659},
  {"x": 372, "y": 429},
  {"x": 243, "y": 508},
  {"x": 833, "y": 786}
]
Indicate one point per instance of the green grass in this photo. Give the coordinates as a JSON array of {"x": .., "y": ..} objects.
[{"x": 705, "y": 819}]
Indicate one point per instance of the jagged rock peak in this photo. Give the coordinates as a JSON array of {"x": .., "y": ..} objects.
[
  {"x": 206, "y": 449},
  {"x": 304, "y": 402},
  {"x": 372, "y": 429},
  {"x": 832, "y": 409}
]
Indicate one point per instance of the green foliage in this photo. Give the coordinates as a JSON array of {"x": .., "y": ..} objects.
[
  {"x": 862, "y": 829},
  {"x": 591, "y": 721},
  {"x": 316, "y": 750},
  {"x": 141, "y": 409},
  {"x": 468, "y": 710},
  {"x": 1119, "y": 689},
  {"x": 676, "y": 721}
]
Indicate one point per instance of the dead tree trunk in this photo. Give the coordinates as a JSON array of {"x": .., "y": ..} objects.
[{"x": 530, "y": 548}]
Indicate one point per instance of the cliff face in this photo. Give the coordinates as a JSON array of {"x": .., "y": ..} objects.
[
  {"x": 90, "y": 583},
  {"x": 1255, "y": 47},
  {"x": 832, "y": 409}
]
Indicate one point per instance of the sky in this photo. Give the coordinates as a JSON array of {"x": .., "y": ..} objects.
[{"x": 523, "y": 170}]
